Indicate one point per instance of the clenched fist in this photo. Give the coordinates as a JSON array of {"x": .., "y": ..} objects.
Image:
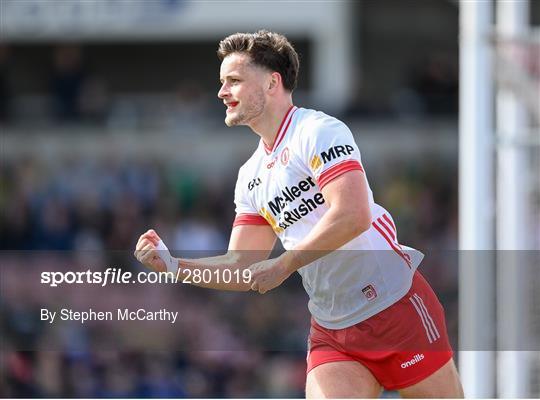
[
  {"x": 148, "y": 254},
  {"x": 268, "y": 274}
]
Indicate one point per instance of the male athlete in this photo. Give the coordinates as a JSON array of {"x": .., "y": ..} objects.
[{"x": 375, "y": 321}]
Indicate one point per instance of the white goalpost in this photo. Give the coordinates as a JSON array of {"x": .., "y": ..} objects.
[
  {"x": 476, "y": 204},
  {"x": 498, "y": 100}
]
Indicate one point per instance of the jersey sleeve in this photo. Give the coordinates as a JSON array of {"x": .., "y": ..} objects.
[
  {"x": 329, "y": 150},
  {"x": 246, "y": 213}
]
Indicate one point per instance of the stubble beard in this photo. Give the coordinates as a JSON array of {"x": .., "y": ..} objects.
[{"x": 253, "y": 108}]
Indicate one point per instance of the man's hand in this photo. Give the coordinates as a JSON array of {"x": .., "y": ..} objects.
[
  {"x": 146, "y": 252},
  {"x": 269, "y": 274}
]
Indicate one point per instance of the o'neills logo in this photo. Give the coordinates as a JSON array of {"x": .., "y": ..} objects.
[
  {"x": 416, "y": 359},
  {"x": 271, "y": 164},
  {"x": 286, "y": 197}
]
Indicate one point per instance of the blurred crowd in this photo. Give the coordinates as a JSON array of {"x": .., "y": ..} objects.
[
  {"x": 66, "y": 89},
  {"x": 69, "y": 88},
  {"x": 223, "y": 344},
  {"x": 162, "y": 375},
  {"x": 86, "y": 205}
]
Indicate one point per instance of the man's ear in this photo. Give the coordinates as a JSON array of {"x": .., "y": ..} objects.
[{"x": 275, "y": 80}]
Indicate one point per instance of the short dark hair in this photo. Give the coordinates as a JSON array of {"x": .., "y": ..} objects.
[{"x": 266, "y": 49}]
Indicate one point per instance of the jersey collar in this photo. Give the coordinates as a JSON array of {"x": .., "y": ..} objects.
[{"x": 282, "y": 130}]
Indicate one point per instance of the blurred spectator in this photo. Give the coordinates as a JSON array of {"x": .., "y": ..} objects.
[
  {"x": 435, "y": 81},
  {"x": 94, "y": 100},
  {"x": 19, "y": 377},
  {"x": 67, "y": 82},
  {"x": 54, "y": 229},
  {"x": 431, "y": 89},
  {"x": 198, "y": 234},
  {"x": 80, "y": 378},
  {"x": 189, "y": 107},
  {"x": 6, "y": 94}
]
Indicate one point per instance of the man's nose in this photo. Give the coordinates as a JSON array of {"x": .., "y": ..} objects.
[{"x": 223, "y": 91}]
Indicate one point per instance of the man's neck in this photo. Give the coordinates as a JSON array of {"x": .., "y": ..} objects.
[{"x": 268, "y": 124}]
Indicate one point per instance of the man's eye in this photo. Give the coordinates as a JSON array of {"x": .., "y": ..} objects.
[{"x": 235, "y": 80}]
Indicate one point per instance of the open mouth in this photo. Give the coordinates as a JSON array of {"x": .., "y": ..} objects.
[{"x": 232, "y": 105}]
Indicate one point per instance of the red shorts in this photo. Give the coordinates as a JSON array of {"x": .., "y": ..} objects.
[{"x": 401, "y": 345}]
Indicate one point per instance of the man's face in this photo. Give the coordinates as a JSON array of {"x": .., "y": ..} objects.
[{"x": 242, "y": 89}]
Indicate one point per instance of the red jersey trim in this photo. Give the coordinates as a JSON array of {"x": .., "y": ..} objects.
[
  {"x": 280, "y": 133},
  {"x": 337, "y": 170},
  {"x": 280, "y": 139},
  {"x": 249, "y": 219},
  {"x": 378, "y": 224},
  {"x": 391, "y": 229}
]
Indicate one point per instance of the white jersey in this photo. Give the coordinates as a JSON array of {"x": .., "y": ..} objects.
[{"x": 282, "y": 187}]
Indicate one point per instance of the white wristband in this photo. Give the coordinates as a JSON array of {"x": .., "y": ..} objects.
[{"x": 165, "y": 255}]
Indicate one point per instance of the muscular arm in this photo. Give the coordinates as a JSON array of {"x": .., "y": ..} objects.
[
  {"x": 248, "y": 244},
  {"x": 347, "y": 217}
]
